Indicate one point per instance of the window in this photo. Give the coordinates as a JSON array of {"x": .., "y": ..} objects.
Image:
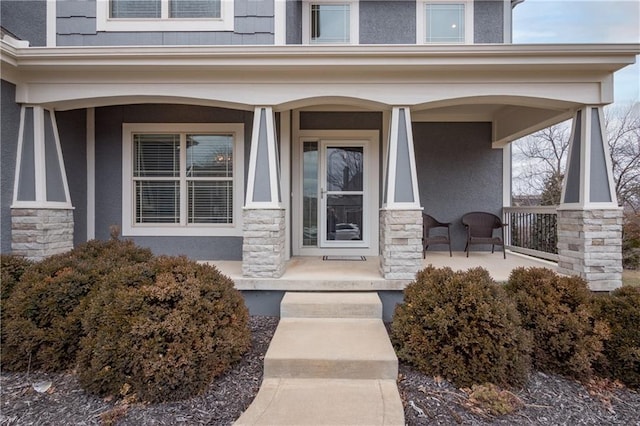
[
  {"x": 182, "y": 179},
  {"x": 165, "y": 15},
  {"x": 445, "y": 22},
  {"x": 330, "y": 22}
]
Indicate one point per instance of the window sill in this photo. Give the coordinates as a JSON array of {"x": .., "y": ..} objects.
[{"x": 182, "y": 231}]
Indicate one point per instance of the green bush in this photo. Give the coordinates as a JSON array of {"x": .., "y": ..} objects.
[
  {"x": 567, "y": 338},
  {"x": 462, "y": 326},
  {"x": 621, "y": 311},
  {"x": 11, "y": 269},
  {"x": 161, "y": 330},
  {"x": 631, "y": 241},
  {"x": 42, "y": 327}
]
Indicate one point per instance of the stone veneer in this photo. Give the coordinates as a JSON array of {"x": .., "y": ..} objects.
[
  {"x": 400, "y": 243},
  {"x": 263, "y": 254},
  {"x": 590, "y": 245},
  {"x": 38, "y": 233}
]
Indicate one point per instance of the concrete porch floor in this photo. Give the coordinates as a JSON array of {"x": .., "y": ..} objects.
[{"x": 315, "y": 274}]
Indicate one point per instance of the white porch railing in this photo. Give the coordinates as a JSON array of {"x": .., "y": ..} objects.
[{"x": 532, "y": 231}]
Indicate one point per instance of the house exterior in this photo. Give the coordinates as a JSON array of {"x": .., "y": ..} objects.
[{"x": 262, "y": 130}]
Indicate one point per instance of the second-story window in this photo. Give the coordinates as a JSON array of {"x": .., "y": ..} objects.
[
  {"x": 165, "y": 15},
  {"x": 330, "y": 22},
  {"x": 445, "y": 21},
  {"x": 167, "y": 9}
]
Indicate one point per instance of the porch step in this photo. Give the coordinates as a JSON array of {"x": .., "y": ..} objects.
[
  {"x": 331, "y": 305},
  {"x": 329, "y": 348},
  {"x": 330, "y": 362}
]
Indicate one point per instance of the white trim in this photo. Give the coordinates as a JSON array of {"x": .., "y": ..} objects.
[
  {"x": 373, "y": 136},
  {"x": 91, "y": 173},
  {"x": 607, "y": 157},
  {"x": 565, "y": 181},
  {"x": 421, "y": 25},
  {"x": 63, "y": 171},
  {"x": 39, "y": 156},
  {"x": 129, "y": 228},
  {"x": 412, "y": 158},
  {"x": 53, "y": 205},
  {"x": 389, "y": 181},
  {"x": 224, "y": 23},
  {"x": 285, "y": 176},
  {"x": 507, "y": 20},
  {"x": 354, "y": 20},
  {"x": 16, "y": 178},
  {"x": 51, "y": 23},
  {"x": 280, "y": 22},
  {"x": 274, "y": 166}
]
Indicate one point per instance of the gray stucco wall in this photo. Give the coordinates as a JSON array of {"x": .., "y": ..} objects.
[
  {"x": 8, "y": 151},
  {"x": 76, "y": 26},
  {"x": 72, "y": 129},
  {"x": 109, "y": 122},
  {"x": 26, "y": 19},
  {"x": 488, "y": 21},
  {"x": 458, "y": 172},
  {"x": 387, "y": 22}
]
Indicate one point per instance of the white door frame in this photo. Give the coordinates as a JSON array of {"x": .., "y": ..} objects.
[{"x": 372, "y": 184}]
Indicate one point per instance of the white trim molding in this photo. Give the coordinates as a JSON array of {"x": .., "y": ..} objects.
[
  {"x": 105, "y": 23},
  {"x": 130, "y": 228},
  {"x": 91, "y": 173},
  {"x": 52, "y": 23}
]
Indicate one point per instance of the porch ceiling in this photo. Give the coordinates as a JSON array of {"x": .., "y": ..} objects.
[{"x": 519, "y": 88}]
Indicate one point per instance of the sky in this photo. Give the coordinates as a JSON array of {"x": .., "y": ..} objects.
[{"x": 584, "y": 21}]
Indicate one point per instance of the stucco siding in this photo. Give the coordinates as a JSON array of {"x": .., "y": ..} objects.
[
  {"x": 108, "y": 168},
  {"x": 72, "y": 129},
  {"x": 15, "y": 14},
  {"x": 8, "y": 153},
  {"x": 488, "y": 25},
  {"x": 340, "y": 120},
  {"x": 385, "y": 22},
  {"x": 458, "y": 172},
  {"x": 294, "y": 22},
  {"x": 76, "y": 26}
]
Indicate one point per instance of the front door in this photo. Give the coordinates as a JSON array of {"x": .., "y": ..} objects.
[{"x": 337, "y": 194}]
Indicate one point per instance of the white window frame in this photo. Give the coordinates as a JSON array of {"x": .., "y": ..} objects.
[
  {"x": 130, "y": 228},
  {"x": 421, "y": 25},
  {"x": 224, "y": 23},
  {"x": 354, "y": 21}
]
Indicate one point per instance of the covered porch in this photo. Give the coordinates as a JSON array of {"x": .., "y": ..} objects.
[{"x": 313, "y": 273}]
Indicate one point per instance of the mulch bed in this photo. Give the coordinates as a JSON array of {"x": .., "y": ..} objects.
[{"x": 546, "y": 400}]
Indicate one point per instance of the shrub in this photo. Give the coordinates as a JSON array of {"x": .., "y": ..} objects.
[
  {"x": 461, "y": 325},
  {"x": 631, "y": 241},
  {"x": 42, "y": 327},
  {"x": 11, "y": 269},
  {"x": 161, "y": 330},
  {"x": 621, "y": 311},
  {"x": 567, "y": 338}
]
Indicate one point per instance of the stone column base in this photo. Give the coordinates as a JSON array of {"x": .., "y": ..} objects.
[
  {"x": 38, "y": 233},
  {"x": 590, "y": 245},
  {"x": 263, "y": 253},
  {"x": 400, "y": 243}
]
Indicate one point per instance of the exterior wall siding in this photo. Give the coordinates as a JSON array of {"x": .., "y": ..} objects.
[
  {"x": 294, "y": 22},
  {"x": 72, "y": 128},
  {"x": 76, "y": 26},
  {"x": 386, "y": 22},
  {"x": 488, "y": 21},
  {"x": 108, "y": 148},
  {"x": 25, "y": 19},
  {"x": 458, "y": 172},
  {"x": 8, "y": 153}
]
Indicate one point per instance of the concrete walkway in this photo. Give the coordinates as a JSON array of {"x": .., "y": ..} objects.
[{"x": 330, "y": 362}]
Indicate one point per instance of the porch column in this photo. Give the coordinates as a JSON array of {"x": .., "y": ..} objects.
[
  {"x": 589, "y": 219},
  {"x": 263, "y": 246},
  {"x": 401, "y": 214},
  {"x": 41, "y": 212}
]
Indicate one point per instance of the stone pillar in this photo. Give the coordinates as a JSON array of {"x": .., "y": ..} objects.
[
  {"x": 590, "y": 245},
  {"x": 263, "y": 254},
  {"x": 589, "y": 219},
  {"x": 400, "y": 243},
  {"x": 38, "y": 233}
]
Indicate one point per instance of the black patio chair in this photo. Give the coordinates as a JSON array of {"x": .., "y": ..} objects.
[
  {"x": 480, "y": 230},
  {"x": 429, "y": 239}
]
